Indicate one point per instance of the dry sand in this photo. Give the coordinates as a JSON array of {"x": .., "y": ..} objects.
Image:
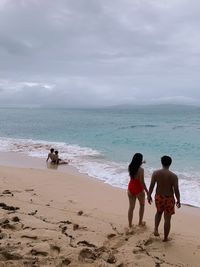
[{"x": 60, "y": 218}]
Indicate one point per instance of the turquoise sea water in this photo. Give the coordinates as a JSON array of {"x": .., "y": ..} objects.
[{"x": 101, "y": 142}]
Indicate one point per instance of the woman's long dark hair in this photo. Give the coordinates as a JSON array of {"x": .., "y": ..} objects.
[{"x": 135, "y": 164}]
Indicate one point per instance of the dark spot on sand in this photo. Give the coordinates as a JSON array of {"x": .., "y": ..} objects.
[
  {"x": 7, "y": 192},
  {"x": 5, "y": 207},
  {"x": 32, "y": 213},
  {"x": 86, "y": 243},
  {"x": 66, "y": 261},
  {"x": 75, "y": 227},
  {"x": 15, "y": 219},
  {"x": 67, "y": 222},
  {"x": 64, "y": 228},
  {"x": 109, "y": 236},
  {"x": 30, "y": 237},
  {"x": 29, "y": 190},
  {"x": 80, "y": 212},
  {"x": 70, "y": 236}
]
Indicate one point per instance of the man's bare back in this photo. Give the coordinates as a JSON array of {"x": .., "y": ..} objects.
[{"x": 166, "y": 181}]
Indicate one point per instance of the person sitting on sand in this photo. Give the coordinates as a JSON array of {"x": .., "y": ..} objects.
[
  {"x": 136, "y": 188},
  {"x": 167, "y": 186},
  {"x": 57, "y": 160},
  {"x": 51, "y": 155}
]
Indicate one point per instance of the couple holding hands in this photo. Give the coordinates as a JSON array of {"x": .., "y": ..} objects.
[{"x": 166, "y": 187}]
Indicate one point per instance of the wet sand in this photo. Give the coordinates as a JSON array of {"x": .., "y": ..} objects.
[{"x": 59, "y": 217}]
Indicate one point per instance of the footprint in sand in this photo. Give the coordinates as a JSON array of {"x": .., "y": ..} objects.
[
  {"x": 7, "y": 225},
  {"x": 55, "y": 250},
  {"x": 87, "y": 255},
  {"x": 35, "y": 252},
  {"x": 108, "y": 257},
  {"x": 3, "y": 235},
  {"x": 148, "y": 242},
  {"x": 129, "y": 231},
  {"x": 66, "y": 261},
  {"x": 8, "y": 255}
]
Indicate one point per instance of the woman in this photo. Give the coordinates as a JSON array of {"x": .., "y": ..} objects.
[{"x": 136, "y": 188}]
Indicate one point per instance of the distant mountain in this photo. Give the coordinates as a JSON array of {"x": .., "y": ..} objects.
[{"x": 155, "y": 106}]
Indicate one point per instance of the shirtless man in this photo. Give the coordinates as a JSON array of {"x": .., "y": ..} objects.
[
  {"x": 166, "y": 186},
  {"x": 51, "y": 155},
  {"x": 58, "y": 160}
]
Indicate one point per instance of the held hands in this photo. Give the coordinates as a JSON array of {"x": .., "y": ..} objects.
[{"x": 149, "y": 198}]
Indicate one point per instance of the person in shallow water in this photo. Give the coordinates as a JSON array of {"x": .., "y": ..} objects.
[
  {"x": 136, "y": 188},
  {"x": 51, "y": 155},
  {"x": 57, "y": 160},
  {"x": 167, "y": 186}
]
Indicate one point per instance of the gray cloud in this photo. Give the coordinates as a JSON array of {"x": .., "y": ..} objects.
[{"x": 99, "y": 52}]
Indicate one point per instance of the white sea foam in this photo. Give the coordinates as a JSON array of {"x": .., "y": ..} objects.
[{"x": 95, "y": 164}]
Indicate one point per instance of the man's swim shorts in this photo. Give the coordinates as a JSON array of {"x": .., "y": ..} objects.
[{"x": 165, "y": 203}]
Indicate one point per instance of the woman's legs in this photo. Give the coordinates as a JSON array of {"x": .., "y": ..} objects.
[
  {"x": 132, "y": 200},
  {"x": 141, "y": 198}
]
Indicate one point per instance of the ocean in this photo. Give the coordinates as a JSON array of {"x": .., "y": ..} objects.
[{"x": 101, "y": 142}]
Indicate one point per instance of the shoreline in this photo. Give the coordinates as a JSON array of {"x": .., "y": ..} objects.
[
  {"x": 64, "y": 218},
  {"x": 95, "y": 164},
  {"x": 21, "y": 160}
]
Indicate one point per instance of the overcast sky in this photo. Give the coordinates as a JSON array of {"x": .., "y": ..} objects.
[{"x": 99, "y": 52}]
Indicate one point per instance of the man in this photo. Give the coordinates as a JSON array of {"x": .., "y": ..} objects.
[
  {"x": 51, "y": 156},
  {"x": 166, "y": 186},
  {"x": 58, "y": 160}
]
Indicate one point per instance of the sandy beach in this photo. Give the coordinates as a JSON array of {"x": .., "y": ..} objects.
[{"x": 59, "y": 217}]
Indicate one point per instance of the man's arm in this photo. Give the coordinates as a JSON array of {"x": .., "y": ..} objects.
[
  {"x": 177, "y": 192},
  {"x": 151, "y": 187},
  {"x": 47, "y": 158}
]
